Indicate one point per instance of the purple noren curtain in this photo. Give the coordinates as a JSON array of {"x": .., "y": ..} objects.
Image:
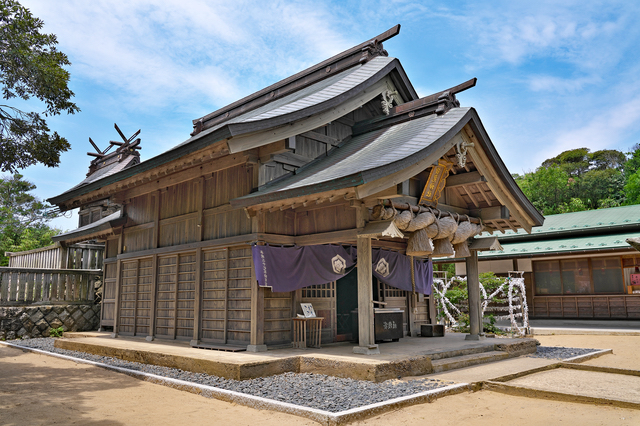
[{"x": 290, "y": 268}]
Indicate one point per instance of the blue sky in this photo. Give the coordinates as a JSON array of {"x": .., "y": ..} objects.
[{"x": 552, "y": 75}]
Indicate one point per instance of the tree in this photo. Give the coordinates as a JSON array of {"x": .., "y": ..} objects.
[
  {"x": 23, "y": 217},
  {"x": 30, "y": 67}
]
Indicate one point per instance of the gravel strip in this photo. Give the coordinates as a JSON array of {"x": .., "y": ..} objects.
[
  {"x": 319, "y": 391},
  {"x": 552, "y": 352}
]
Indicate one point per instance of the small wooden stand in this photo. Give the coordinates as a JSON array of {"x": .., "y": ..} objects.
[{"x": 300, "y": 332}]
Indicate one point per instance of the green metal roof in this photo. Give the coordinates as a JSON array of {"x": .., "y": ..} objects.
[
  {"x": 615, "y": 219},
  {"x": 591, "y": 243}
]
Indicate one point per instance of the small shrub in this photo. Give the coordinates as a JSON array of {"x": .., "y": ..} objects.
[{"x": 56, "y": 332}]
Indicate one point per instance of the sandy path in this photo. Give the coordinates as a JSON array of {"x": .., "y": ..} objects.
[{"x": 37, "y": 389}]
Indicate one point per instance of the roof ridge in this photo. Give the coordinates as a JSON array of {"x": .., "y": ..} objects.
[{"x": 356, "y": 55}]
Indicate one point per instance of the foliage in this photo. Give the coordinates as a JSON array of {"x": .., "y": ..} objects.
[
  {"x": 578, "y": 180},
  {"x": 30, "y": 67},
  {"x": 56, "y": 332},
  {"x": 23, "y": 218}
]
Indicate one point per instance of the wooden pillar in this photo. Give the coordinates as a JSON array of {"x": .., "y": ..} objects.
[
  {"x": 198, "y": 276},
  {"x": 366, "y": 336},
  {"x": 198, "y": 298},
  {"x": 154, "y": 266},
  {"x": 411, "y": 317},
  {"x": 473, "y": 287},
  {"x": 116, "y": 308},
  {"x": 257, "y": 300}
]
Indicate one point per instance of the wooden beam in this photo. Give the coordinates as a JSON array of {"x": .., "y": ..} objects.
[
  {"x": 463, "y": 190},
  {"x": 326, "y": 237},
  {"x": 491, "y": 213},
  {"x": 464, "y": 179},
  {"x": 484, "y": 195}
]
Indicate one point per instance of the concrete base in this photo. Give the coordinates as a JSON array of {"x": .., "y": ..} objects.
[
  {"x": 475, "y": 337},
  {"x": 366, "y": 350},
  {"x": 149, "y": 338},
  {"x": 256, "y": 348},
  {"x": 113, "y": 335}
]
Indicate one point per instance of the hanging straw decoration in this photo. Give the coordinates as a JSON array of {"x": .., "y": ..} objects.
[
  {"x": 419, "y": 244},
  {"x": 403, "y": 219}
]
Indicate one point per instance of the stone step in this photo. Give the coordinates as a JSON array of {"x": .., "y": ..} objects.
[
  {"x": 460, "y": 352},
  {"x": 446, "y": 364}
]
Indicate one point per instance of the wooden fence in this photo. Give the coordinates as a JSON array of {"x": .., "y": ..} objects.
[
  {"x": 25, "y": 286},
  {"x": 74, "y": 256}
]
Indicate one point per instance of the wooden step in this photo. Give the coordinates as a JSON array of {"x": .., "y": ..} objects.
[
  {"x": 224, "y": 348},
  {"x": 446, "y": 364}
]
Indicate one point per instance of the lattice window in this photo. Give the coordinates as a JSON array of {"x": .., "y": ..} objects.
[
  {"x": 392, "y": 291},
  {"x": 320, "y": 290}
]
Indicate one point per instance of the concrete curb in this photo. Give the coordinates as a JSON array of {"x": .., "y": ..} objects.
[
  {"x": 321, "y": 416},
  {"x": 556, "y": 396},
  {"x": 590, "y": 355},
  {"x": 541, "y": 331}
]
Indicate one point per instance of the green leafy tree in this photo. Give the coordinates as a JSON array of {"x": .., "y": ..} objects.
[
  {"x": 23, "y": 218},
  {"x": 30, "y": 67},
  {"x": 547, "y": 188},
  {"x": 633, "y": 163},
  {"x": 632, "y": 189}
]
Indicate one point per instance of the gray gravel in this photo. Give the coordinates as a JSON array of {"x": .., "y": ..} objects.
[
  {"x": 551, "y": 352},
  {"x": 309, "y": 390}
]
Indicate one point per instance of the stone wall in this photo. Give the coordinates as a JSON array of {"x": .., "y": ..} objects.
[{"x": 36, "y": 321}]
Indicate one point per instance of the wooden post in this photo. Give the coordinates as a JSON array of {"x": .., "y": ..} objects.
[
  {"x": 198, "y": 298},
  {"x": 366, "y": 335},
  {"x": 116, "y": 308},
  {"x": 473, "y": 287},
  {"x": 257, "y": 316},
  {"x": 154, "y": 291},
  {"x": 257, "y": 302},
  {"x": 411, "y": 315}
]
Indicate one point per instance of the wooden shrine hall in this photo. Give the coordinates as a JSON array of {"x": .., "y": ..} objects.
[{"x": 343, "y": 154}]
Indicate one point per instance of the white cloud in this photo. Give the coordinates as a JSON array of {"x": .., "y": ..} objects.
[
  {"x": 154, "y": 53},
  {"x": 548, "y": 83},
  {"x": 603, "y": 131}
]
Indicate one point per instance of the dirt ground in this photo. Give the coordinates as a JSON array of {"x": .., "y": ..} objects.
[{"x": 37, "y": 389}]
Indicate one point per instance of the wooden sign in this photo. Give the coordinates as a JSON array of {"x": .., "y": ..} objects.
[
  {"x": 307, "y": 310},
  {"x": 635, "y": 279},
  {"x": 435, "y": 184}
]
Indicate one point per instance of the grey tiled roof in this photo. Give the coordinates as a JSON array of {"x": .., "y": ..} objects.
[
  {"x": 309, "y": 96},
  {"x": 371, "y": 151},
  {"x": 98, "y": 225},
  {"x": 106, "y": 171}
]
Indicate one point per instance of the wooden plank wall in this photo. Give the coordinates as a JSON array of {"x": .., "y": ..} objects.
[
  {"x": 277, "y": 317},
  {"x": 109, "y": 293},
  {"x": 588, "y": 306}
]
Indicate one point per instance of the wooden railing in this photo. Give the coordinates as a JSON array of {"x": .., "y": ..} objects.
[
  {"x": 25, "y": 286},
  {"x": 74, "y": 256}
]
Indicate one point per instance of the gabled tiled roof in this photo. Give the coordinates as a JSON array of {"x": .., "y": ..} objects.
[
  {"x": 364, "y": 158},
  {"x": 609, "y": 220},
  {"x": 592, "y": 243}
]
